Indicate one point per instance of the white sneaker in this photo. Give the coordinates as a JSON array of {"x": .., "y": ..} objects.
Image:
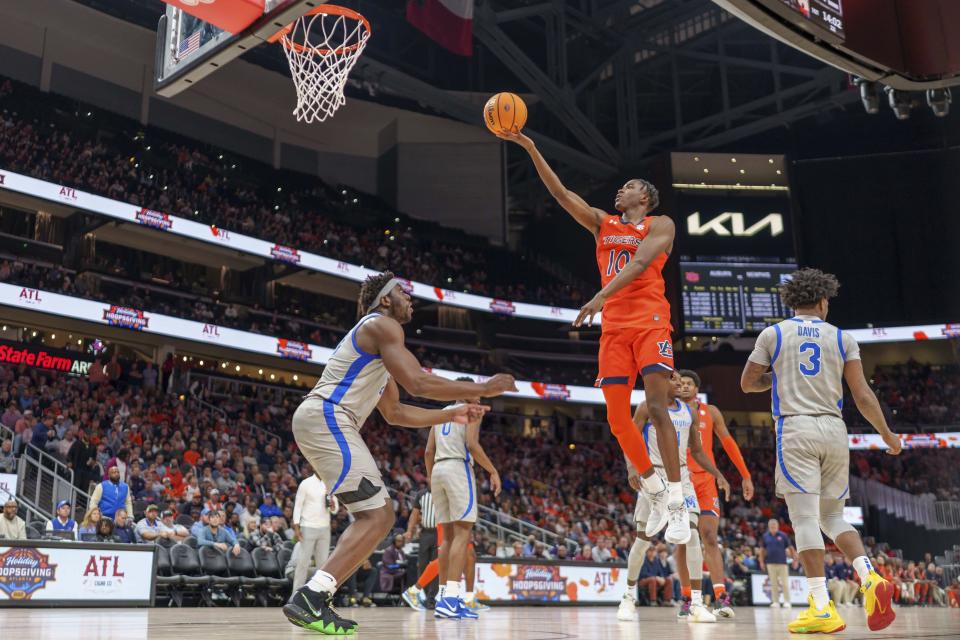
[
  {"x": 627, "y": 611},
  {"x": 774, "y": 605},
  {"x": 658, "y": 517},
  {"x": 787, "y": 605},
  {"x": 699, "y": 613},
  {"x": 678, "y": 525}
]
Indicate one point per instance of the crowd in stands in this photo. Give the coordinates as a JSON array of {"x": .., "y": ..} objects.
[
  {"x": 120, "y": 159},
  {"x": 914, "y": 393},
  {"x": 323, "y": 321}
]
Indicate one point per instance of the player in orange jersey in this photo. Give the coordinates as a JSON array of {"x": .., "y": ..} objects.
[
  {"x": 632, "y": 248},
  {"x": 711, "y": 422}
]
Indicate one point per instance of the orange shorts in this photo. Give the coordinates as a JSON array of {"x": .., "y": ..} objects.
[
  {"x": 624, "y": 352},
  {"x": 708, "y": 497}
]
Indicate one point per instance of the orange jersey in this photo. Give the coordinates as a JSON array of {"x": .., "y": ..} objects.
[
  {"x": 706, "y": 437},
  {"x": 642, "y": 304}
]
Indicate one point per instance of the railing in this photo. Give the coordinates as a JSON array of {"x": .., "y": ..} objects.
[
  {"x": 45, "y": 480},
  {"x": 517, "y": 527},
  {"x": 948, "y": 513},
  {"x": 923, "y": 510}
]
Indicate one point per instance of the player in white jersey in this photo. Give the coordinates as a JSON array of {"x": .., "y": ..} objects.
[
  {"x": 363, "y": 373},
  {"x": 809, "y": 359},
  {"x": 451, "y": 451},
  {"x": 685, "y": 423}
]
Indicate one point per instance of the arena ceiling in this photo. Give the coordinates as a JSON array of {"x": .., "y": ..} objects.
[{"x": 611, "y": 83}]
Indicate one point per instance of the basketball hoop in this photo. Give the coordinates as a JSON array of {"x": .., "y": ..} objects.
[{"x": 322, "y": 47}]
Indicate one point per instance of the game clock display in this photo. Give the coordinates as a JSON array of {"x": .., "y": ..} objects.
[
  {"x": 726, "y": 298},
  {"x": 826, "y": 14}
]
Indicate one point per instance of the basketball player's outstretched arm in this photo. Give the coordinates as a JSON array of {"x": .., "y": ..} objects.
[
  {"x": 473, "y": 446},
  {"x": 659, "y": 240},
  {"x": 588, "y": 217},
  {"x": 733, "y": 451},
  {"x": 386, "y": 335},
  {"x": 696, "y": 450},
  {"x": 405, "y": 415},
  {"x": 868, "y": 405}
]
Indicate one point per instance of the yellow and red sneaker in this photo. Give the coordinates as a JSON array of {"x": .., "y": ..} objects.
[
  {"x": 878, "y": 601},
  {"x": 814, "y": 620}
]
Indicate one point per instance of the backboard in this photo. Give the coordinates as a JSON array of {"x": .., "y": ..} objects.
[{"x": 189, "y": 49}]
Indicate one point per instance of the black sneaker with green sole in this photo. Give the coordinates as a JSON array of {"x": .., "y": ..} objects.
[{"x": 313, "y": 610}]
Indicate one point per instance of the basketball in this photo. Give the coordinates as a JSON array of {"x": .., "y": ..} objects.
[{"x": 505, "y": 112}]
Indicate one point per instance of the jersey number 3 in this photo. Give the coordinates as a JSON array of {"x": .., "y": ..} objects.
[
  {"x": 810, "y": 350},
  {"x": 617, "y": 261}
]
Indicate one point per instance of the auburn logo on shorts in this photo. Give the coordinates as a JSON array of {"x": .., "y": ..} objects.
[{"x": 666, "y": 349}]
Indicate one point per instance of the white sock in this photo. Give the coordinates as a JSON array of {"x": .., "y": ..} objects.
[
  {"x": 696, "y": 596},
  {"x": 654, "y": 484},
  {"x": 818, "y": 589},
  {"x": 468, "y": 596},
  {"x": 322, "y": 582},
  {"x": 635, "y": 559},
  {"x": 452, "y": 590},
  {"x": 440, "y": 591},
  {"x": 863, "y": 567},
  {"x": 631, "y": 593},
  {"x": 674, "y": 494}
]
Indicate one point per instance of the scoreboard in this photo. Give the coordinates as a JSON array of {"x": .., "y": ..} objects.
[
  {"x": 824, "y": 14},
  {"x": 737, "y": 297}
]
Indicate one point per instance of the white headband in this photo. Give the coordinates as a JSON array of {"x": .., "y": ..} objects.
[{"x": 387, "y": 288}]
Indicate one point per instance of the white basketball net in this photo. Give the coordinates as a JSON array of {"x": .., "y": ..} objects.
[{"x": 321, "y": 50}]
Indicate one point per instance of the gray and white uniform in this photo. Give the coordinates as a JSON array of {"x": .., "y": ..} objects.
[
  {"x": 682, "y": 419},
  {"x": 807, "y": 356},
  {"x": 453, "y": 482},
  {"x": 327, "y": 423}
]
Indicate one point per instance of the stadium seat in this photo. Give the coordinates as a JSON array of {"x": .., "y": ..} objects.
[
  {"x": 185, "y": 562},
  {"x": 214, "y": 564},
  {"x": 168, "y": 584},
  {"x": 139, "y": 507},
  {"x": 190, "y": 541},
  {"x": 268, "y": 567},
  {"x": 241, "y": 565},
  {"x": 36, "y": 530},
  {"x": 283, "y": 557},
  {"x": 165, "y": 542}
]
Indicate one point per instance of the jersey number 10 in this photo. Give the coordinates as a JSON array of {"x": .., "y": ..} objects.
[{"x": 617, "y": 261}]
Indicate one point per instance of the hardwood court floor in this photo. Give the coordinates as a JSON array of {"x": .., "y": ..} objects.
[{"x": 519, "y": 623}]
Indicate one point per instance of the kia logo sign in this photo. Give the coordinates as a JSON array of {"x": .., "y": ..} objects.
[{"x": 729, "y": 224}]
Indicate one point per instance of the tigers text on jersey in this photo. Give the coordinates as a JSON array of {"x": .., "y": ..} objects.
[
  {"x": 807, "y": 357},
  {"x": 682, "y": 419},
  {"x": 353, "y": 379},
  {"x": 451, "y": 441},
  {"x": 642, "y": 303}
]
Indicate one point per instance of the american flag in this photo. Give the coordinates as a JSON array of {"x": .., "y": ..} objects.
[{"x": 189, "y": 45}]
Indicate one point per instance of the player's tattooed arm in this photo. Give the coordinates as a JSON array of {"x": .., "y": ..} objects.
[{"x": 755, "y": 378}]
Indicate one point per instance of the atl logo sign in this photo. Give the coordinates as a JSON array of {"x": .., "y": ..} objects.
[{"x": 730, "y": 223}]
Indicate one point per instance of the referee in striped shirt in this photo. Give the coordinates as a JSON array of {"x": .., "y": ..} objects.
[{"x": 424, "y": 514}]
